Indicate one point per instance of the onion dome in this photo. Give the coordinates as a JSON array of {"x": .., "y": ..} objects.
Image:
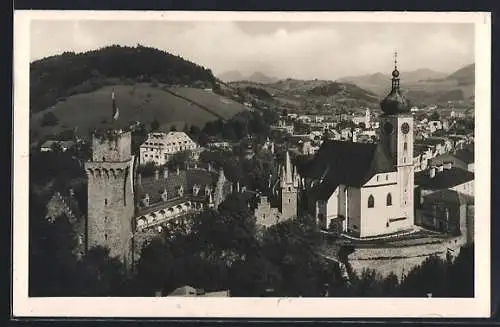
[{"x": 395, "y": 103}]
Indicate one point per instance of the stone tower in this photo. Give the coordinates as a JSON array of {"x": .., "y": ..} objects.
[
  {"x": 289, "y": 184},
  {"x": 396, "y": 137},
  {"x": 111, "y": 194}
]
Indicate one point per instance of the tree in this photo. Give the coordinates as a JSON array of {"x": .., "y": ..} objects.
[
  {"x": 434, "y": 116},
  {"x": 154, "y": 269},
  {"x": 173, "y": 128},
  {"x": 100, "y": 274},
  {"x": 155, "y": 125},
  {"x": 49, "y": 119}
]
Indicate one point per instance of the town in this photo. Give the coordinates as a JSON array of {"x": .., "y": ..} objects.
[{"x": 320, "y": 200}]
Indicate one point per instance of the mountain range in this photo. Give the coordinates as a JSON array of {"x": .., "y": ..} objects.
[
  {"x": 423, "y": 86},
  {"x": 256, "y": 77}
]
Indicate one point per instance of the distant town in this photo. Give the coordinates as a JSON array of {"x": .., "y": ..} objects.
[{"x": 323, "y": 197}]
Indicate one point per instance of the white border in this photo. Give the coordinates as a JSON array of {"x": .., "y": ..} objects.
[{"x": 250, "y": 307}]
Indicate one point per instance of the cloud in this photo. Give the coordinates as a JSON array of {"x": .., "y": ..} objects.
[{"x": 301, "y": 50}]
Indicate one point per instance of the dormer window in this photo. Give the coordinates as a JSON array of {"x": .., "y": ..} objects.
[
  {"x": 164, "y": 195},
  {"x": 196, "y": 190},
  {"x": 145, "y": 200}
]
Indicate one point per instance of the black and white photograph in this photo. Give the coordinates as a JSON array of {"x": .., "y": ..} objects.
[{"x": 277, "y": 164}]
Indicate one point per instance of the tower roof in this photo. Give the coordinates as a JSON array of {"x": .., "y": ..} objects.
[{"x": 395, "y": 103}]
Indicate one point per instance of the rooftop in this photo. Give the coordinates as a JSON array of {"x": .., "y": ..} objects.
[
  {"x": 445, "y": 179},
  {"x": 449, "y": 196},
  {"x": 347, "y": 163}
]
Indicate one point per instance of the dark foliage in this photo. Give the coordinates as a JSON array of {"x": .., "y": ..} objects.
[
  {"x": 60, "y": 76},
  {"x": 49, "y": 119}
]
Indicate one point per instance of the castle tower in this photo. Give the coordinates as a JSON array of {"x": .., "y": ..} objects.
[
  {"x": 367, "y": 118},
  {"x": 110, "y": 175},
  {"x": 289, "y": 184},
  {"x": 396, "y": 137}
]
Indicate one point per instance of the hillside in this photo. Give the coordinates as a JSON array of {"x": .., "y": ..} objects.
[
  {"x": 422, "y": 86},
  {"x": 57, "y": 77},
  {"x": 256, "y": 77},
  {"x": 307, "y": 95},
  {"x": 140, "y": 102}
]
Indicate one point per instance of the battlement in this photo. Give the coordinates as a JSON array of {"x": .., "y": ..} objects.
[{"x": 111, "y": 145}]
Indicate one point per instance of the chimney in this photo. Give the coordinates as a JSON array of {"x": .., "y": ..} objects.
[
  {"x": 157, "y": 175},
  {"x": 432, "y": 172},
  {"x": 165, "y": 173}
]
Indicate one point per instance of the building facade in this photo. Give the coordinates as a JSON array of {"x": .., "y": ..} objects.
[
  {"x": 160, "y": 147},
  {"x": 366, "y": 190},
  {"x": 111, "y": 193}
]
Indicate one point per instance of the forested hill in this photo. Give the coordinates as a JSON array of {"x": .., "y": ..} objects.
[{"x": 58, "y": 77}]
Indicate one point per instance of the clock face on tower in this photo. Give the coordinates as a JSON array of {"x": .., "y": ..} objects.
[
  {"x": 388, "y": 128},
  {"x": 405, "y": 128}
]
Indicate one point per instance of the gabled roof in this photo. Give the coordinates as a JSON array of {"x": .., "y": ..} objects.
[
  {"x": 346, "y": 163},
  {"x": 185, "y": 178},
  {"x": 466, "y": 155},
  {"x": 445, "y": 179},
  {"x": 450, "y": 197}
]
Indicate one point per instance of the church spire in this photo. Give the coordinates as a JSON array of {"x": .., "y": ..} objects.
[
  {"x": 395, "y": 73},
  {"x": 395, "y": 102}
]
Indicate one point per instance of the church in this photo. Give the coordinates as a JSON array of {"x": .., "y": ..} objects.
[{"x": 366, "y": 190}]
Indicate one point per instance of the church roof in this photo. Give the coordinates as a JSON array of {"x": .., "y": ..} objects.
[
  {"x": 395, "y": 102},
  {"x": 346, "y": 163}
]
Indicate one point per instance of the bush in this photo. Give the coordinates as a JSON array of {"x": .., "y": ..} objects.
[{"x": 49, "y": 119}]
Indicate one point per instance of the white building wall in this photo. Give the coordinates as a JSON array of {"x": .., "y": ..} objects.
[{"x": 465, "y": 188}]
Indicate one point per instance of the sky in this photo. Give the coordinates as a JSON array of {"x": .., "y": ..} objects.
[{"x": 305, "y": 50}]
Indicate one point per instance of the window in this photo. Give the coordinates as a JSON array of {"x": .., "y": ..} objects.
[
  {"x": 405, "y": 146},
  {"x": 377, "y": 178},
  {"x": 106, "y": 202},
  {"x": 105, "y": 237},
  {"x": 386, "y": 177},
  {"x": 371, "y": 201},
  {"x": 389, "y": 199}
]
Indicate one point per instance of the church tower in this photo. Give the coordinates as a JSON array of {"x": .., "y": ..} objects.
[
  {"x": 396, "y": 136},
  {"x": 289, "y": 184},
  {"x": 110, "y": 192}
]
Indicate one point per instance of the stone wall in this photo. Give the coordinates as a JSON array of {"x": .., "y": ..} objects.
[
  {"x": 265, "y": 214},
  {"x": 110, "y": 209},
  {"x": 401, "y": 259}
]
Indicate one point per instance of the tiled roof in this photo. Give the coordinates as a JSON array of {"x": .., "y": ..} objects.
[
  {"x": 345, "y": 163},
  {"x": 448, "y": 157},
  {"x": 466, "y": 155},
  {"x": 449, "y": 196},
  {"x": 185, "y": 178},
  {"x": 442, "y": 180}
]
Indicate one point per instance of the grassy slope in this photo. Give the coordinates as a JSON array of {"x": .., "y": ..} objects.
[{"x": 140, "y": 102}]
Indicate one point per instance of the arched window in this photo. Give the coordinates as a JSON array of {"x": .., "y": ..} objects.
[
  {"x": 389, "y": 199},
  {"x": 106, "y": 202},
  {"x": 371, "y": 201}
]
